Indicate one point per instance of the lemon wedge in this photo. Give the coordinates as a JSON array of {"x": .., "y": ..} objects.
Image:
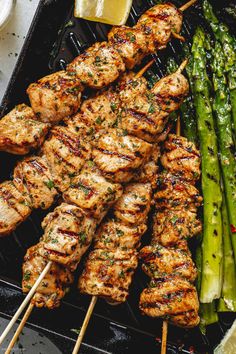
[
  {"x": 228, "y": 343},
  {"x": 113, "y": 12}
]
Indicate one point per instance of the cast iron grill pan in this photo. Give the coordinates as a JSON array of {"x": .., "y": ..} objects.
[{"x": 54, "y": 39}]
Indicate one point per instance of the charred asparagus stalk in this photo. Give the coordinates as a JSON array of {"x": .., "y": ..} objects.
[
  {"x": 228, "y": 43},
  {"x": 228, "y": 296},
  {"x": 222, "y": 108},
  {"x": 211, "y": 281}
]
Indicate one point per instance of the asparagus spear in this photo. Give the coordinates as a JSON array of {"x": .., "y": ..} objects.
[
  {"x": 222, "y": 110},
  {"x": 208, "y": 315},
  {"x": 227, "y": 301},
  {"x": 211, "y": 281},
  {"x": 228, "y": 42},
  {"x": 187, "y": 108}
]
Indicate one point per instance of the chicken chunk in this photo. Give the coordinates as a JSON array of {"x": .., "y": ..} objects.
[
  {"x": 92, "y": 192},
  {"x": 149, "y": 171},
  {"x": 113, "y": 235},
  {"x": 170, "y": 91},
  {"x": 119, "y": 155},
  {"x": 20, "y": 131},
  {"x": 34, "y": 181},
  {"x": 65, "y": 153},
  {"x": 174, "y": 192},
  {"x": 108, "y": 274},
  {"x": 67, "y": 235},
  {"x": 98, "y": 66},
  {"x": 143, "y": 117},
  {"x": 80, "y": 124},
  {"x": 172, "y": 226},
  {"x": 102, "y": 110},
  {"x": 158, "y": 25},
  {"x": 181, "y": 157},
  {"x": 55, "y": 283},
  {"x": 130, "y": 44},
  {"x": 146, "y": 115},
  {"x": 172, "y": 298},
  {"x": 55, "y": 96},
  {"x": 162, "y": 261},
  {"x": 131, "y": 86},
  {"x": 14, "y": 208},
  {"x": 133, "y": 206}
]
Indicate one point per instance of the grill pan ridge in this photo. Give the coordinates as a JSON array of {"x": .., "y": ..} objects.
[{"x": 54, "y": 39}]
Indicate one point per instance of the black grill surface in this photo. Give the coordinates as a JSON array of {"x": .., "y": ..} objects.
[{"x": 54, "y": 39}]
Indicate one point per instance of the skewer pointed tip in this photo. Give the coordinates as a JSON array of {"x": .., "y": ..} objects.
[
  {"x": 178, "y": 36},
  {"x": 182, "y": 66},
  {"x": 187, "y": 5},
  {"x": 144, "y": 69}
]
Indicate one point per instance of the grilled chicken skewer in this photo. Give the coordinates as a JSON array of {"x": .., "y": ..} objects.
[
  {"x": 162, "y": 261},
  {"x": 64, "y": 153},
  {"x": 62, "y": 156},
  {"x": 85, "y": 184},
  {"x": 58, "y": 96},
  {"x": 109, "y": 268}
]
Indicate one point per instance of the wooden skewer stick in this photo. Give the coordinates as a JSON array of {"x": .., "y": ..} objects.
[
  {"x": 181, "y": 67},
  {"x": 144, "y": 69},
  {"x": 164, "y": 337},
  {"x": 178, "y": 36},
  {"x": 187, "y": 5},
  {"x": 25, "y": 302},
  {"x": 85, "y": 324},
  {"x": 165, "y": 323},
  {"x": 19, "y": 329}
]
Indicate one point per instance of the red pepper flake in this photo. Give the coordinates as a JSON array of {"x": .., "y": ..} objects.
[
  {"x": 158, "y": 339},
  {"x": 233, "y": 229},
  {"x": 179, "y": 187},
  {"x": 192, "y": 350}
]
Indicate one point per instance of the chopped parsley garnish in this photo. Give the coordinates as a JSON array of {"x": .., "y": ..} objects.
[
  {"x": 151, "y": 108},
  {"x": 113, "y": 106},
  {"x": 131, "y": 37},
  {"x": 27, "y": 275},
  {"x": 174, "y": 219},
  {"x": 82, "y": 236},
  {"x": 98, "y": 120},
  {"x": 122, "y": 274},
  {"x": 83, "y": 188},
  {"x": 119, "y": 232},
  {"x": 49, "y": 184}
]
